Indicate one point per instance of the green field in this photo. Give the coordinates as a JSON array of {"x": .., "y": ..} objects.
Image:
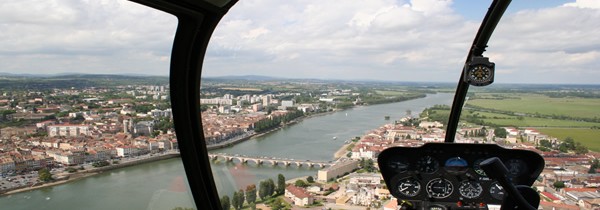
[
  {"x": 536, "y": 103},
  {"x": 498, "y": 109},
  {"x": 391, "y": 92},
  {"x": 588, "y": 137},
  {"x": 510, "y": 120}
]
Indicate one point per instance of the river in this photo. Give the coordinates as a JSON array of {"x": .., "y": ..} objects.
[{"x": 160, "y": 185}]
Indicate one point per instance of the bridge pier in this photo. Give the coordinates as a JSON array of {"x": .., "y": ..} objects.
[{"x": 272, "y": 160}]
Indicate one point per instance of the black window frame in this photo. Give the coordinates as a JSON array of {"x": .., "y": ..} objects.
[{"x": 197, "y": 21}]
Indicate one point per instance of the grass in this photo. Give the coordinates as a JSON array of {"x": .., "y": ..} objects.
[
  {"x": 391, "y": 92},
  {"x": 588, "y": 137},
  {"x": 241, "y": 89},
  {"x": 541, "y": 122},
  {"x": 536, "y": 103},
  {"x": 509, "y": 120}
]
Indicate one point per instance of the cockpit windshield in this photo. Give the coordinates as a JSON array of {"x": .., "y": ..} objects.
[{"x": 300, "y": 104}]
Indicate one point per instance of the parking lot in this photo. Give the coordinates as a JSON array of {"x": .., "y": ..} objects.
[{"x": 19, "y": 180}]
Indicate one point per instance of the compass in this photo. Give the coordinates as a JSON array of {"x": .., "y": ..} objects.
[{"x": 479, "y": 72}]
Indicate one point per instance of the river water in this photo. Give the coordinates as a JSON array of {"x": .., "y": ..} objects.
[{"x": 162, "y": 184}]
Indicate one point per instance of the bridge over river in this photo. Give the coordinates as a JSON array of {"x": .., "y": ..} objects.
[{"x": 269, "y": 160}]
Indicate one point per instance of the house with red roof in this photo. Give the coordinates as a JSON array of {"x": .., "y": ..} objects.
[
  {"x": 557, "y": 206},
  {"x": 299, "y": 195},
  {"x": 549, "y": 196}
]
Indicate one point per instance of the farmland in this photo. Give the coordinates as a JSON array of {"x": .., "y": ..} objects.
[
  {"x": 578, "y": 118},
  {"x": 587, "y": 137},
  {"x": 540, "y": 104}
]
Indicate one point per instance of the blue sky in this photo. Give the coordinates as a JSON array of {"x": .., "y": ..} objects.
[
  {"x": 466, "y": 7},
  {"x": 537, "y": 41}
]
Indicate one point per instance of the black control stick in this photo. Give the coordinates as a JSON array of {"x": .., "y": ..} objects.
[{"x": 519, "y": 197}]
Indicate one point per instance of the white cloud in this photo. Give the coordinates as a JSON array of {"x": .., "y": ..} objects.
[
  {"x": 422, "y": 40},
  {"x": 84, "y": 36},
  {"x": 593, "y": 4},
  {"x": 417, "y": 40},
  {"x": 254, "y": 33}
]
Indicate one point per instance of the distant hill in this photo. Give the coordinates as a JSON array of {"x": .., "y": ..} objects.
[
  {"x": 41, "y": 81},
  {"x": 245, "y": 77}
]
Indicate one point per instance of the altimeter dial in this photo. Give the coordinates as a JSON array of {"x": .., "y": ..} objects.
[
  {"x": 409, "y": 187},
  {"x": 428, "y": 164},
  {"x": 470, "y": 189},
  {"x": 439, "y": 188}
]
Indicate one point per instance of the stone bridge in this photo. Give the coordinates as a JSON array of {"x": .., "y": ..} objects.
[{"x": 268, "y": 160}]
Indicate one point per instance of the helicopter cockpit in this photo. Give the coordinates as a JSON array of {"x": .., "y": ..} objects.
[{"x": 449, "y": 175}]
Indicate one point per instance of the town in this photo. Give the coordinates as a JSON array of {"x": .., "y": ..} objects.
[{"x": 51, "y": 134}]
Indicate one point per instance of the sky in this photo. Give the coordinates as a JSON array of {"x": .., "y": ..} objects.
[{"x": 537, "y": 41}]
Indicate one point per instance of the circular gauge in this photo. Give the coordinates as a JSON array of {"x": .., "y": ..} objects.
[
  {"x": 428, "y": 164},
  {"x": 439, "y": 188},
  {"x": 480, "y": 75},
  {"x": 398, "y": 164},
  {"x": 497, "y": 191},
  {"x": 516, "y": 167},
  {"x": 456, "y": 165},
  {"x": 470, "y": 189},
  {"x": 409, "y": 187},
  {"x": 477, "y": 168}
]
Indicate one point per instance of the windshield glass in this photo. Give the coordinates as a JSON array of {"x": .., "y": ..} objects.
[
  {"x": 316, "y": 95},
  {"x": 85, "y": 113},
  {"x": 298, "y": 99}
]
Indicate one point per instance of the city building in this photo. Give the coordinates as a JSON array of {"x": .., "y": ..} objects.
[
  {"x": 68, "y": 130},
  {"x": 298, "y": 195},
  {"x": 337, "y": 170}
]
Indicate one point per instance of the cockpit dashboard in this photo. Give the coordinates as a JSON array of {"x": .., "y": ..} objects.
[{"x": 448, "y": 175}]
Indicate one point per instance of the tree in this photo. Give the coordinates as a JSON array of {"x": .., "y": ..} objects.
[
  {"x": 545, "y": 143},
  {"x": 594, "y": 164},
  {"x": 300, "y": 183},
  {"x": 500, "y": 132},
  {"x": 225, "y": 202},
  {"x": 310, "y": 179},
  {"x": 367, "y": 164},
  {"x": 71, "y": 169},
  {"x": 581, "y": 150},
  {"x": 563, "y": 148},
  {"x": 559, "y": 184},
  {"x": 280, "y": 184},
  {"x": 234, "y": 200},
  {"x": 251, "y": 194},
  {"x": 238, "y": 200},
  {"x": 592, "y": 170},
  {"x": 44, "y": 175},
  {"x": 262, "y": 190},
  {"x": 270, "y": 187},
  {"x": 569, "y": 143},
  {"x": 277, "y": 204}
]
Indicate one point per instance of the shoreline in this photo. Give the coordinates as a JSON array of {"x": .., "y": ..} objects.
[
  {"x": 341, "y": 152},
  {"x": 255, "y": 135},
  {"x": 88, "y": 173},
  {"x": 299, "y": 119},
  {"x": 95, "y": 171}
]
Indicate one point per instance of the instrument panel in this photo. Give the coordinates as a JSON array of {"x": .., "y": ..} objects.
[{"x": 447, "y": 175}]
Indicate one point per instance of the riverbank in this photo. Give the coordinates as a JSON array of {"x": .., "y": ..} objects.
[
  {"x": 255, "y": 135},
  {"x": 89, "y": 172},
  {"x": 342, "y": 151},
  {"x": 231, "y": 143}
]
